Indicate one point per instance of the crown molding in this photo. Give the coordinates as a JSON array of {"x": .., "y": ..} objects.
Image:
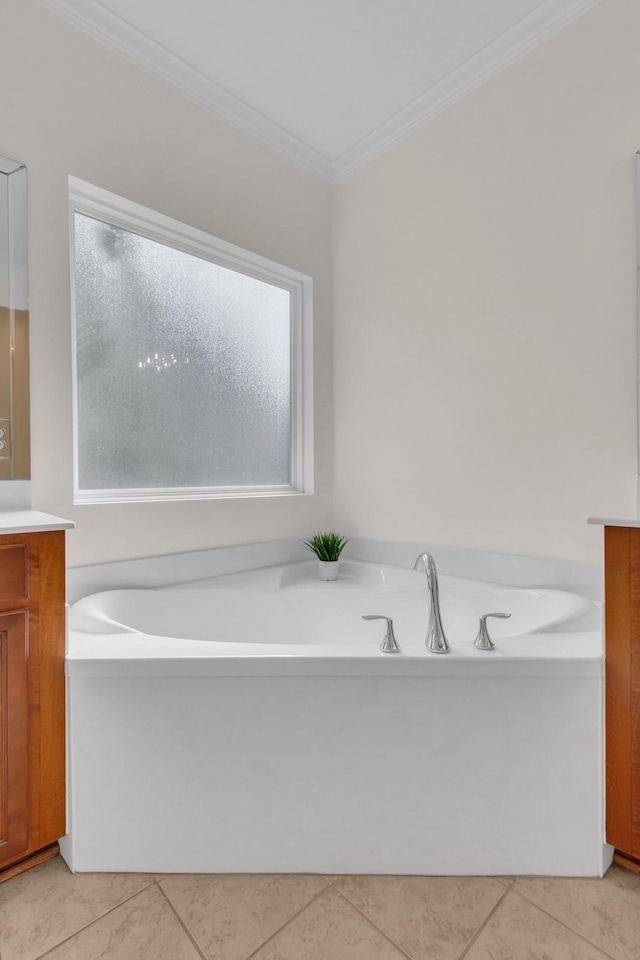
[
  {"x": 136, "y": 46},
  {"x": 509, "y": 46}
]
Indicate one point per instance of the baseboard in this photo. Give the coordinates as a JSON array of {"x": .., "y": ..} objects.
[
  {"x": 36, "y": 858},
  {"x": 624, "y": 860}
]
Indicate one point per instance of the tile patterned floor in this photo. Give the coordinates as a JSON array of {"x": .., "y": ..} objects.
[{"x": 49, "y": 912}]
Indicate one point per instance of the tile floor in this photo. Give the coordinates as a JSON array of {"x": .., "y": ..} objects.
[{"x": 51, "y": 912}]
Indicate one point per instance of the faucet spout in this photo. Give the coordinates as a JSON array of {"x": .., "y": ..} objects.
[{"x": 436, "y": 638}]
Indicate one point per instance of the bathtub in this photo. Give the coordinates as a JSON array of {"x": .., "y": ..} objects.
[{"x": 250, "y": 723}]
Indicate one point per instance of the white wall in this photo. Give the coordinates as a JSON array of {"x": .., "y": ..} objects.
[
  {"x": 68, "y": 105},
  {"x": 484, "y": 338},
  {"x": 484, "y": 309}
]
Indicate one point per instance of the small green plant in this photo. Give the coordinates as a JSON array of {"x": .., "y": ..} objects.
[{"x": 326, "y": 546}]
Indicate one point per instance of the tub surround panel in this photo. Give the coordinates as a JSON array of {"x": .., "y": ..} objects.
[
  {"x": 146, "y": 665},
  {"x": 583, "y": 578},
  {"x": 337, "y": 775},
  {"x": 512, "y": 569},
  {"x": 181, "y": 567}
]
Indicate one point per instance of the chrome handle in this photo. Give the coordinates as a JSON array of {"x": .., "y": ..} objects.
[
  {"x": 483, "y": 641},
  {"x": 389, "y": 643}
]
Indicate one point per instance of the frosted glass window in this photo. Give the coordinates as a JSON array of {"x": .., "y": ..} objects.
[{"x": 184, "y": 374}]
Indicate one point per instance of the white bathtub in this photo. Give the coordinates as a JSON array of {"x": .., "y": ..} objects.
[{"x": 250, "y": 723}]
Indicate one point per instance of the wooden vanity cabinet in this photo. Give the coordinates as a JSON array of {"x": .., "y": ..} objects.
[
  {"x": 622, "y": 665},
  {"x": 32, "y": 698}
]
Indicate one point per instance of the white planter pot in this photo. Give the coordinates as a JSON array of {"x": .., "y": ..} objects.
[{"x": 329, "y": 569}]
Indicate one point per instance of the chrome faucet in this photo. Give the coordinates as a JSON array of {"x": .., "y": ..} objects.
[{"x": 436, "y": 639}]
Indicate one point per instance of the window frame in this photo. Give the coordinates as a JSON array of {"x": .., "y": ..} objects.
[{"x": 92, "y": 201}]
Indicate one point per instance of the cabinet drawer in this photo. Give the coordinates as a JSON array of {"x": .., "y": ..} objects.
[{"x": 13, "y": 572}]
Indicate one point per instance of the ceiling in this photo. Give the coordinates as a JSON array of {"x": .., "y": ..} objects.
[{"x": 329, "y": 83}]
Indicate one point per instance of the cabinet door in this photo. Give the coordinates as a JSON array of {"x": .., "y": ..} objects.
[
  {"x": 14, "y": 810},
  {"x": 622, "y": 668}
]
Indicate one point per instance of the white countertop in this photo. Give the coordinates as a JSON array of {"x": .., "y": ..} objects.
[
  {"x": 613, "y": 522},
  {"x": 31, "y": 521}
]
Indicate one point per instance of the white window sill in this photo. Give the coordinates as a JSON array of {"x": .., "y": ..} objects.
[{"x": 156, "y": 494}]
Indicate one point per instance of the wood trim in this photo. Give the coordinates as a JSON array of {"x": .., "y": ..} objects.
[
  {"x": 51, "y": 628},
  {"x": 634, "y": 697},
  {"x": 618, "y": 619},
  {"x": 36, "y": 858},
  {"x": 629, "y": 863},
  {"x": 14, "y": 737}
]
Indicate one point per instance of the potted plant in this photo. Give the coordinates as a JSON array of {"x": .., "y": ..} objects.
[{"x": 327, "y": 548}]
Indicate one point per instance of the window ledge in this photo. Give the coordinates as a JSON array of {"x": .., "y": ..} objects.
[{"x": 157, "y": 494}]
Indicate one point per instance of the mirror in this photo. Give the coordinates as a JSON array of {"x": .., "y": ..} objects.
[{"x": 14, "y": 323}]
